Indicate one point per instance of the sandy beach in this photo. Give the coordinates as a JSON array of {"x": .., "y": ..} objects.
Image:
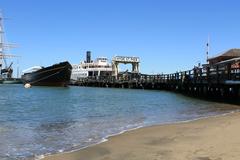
[{"x": 214, "y": 138}]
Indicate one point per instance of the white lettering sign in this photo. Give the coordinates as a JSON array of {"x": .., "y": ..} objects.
[{"x": 126, "y": 59}]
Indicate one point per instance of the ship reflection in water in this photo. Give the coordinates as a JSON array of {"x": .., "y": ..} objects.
[{"x": 55, "y": 75}]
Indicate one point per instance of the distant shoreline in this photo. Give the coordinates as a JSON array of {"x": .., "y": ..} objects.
[{"x": 212, "y": 137}]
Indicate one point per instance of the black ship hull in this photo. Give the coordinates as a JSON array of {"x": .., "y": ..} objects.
[{"x": 55, "y": 75}]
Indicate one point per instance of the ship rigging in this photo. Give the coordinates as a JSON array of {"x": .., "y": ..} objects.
[{"x": 6, "y": 70}]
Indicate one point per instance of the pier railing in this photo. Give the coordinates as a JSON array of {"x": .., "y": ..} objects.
[
  {"x": 216, "y": 81},
  {"x": 197, "y": 75}
]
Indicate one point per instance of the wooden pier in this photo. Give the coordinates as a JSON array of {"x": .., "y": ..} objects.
[
  {"x": 217, "y": 82},
  {"x": 220, "y": 79}
]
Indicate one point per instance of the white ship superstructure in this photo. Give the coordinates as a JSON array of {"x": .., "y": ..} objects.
[{"x": 89, "y": 68}]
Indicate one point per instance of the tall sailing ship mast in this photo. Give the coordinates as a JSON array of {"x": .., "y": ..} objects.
[{"x": 5, "y": 69}]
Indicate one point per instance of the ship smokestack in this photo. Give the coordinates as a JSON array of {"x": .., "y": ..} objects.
[{"x": 88, "y": 57}]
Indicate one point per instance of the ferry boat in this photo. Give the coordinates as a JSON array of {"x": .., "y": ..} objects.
[
  {"x": 55, "y": 75},
  {"x": 89, "y": 68}
]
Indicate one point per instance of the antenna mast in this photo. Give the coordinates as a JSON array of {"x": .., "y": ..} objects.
[{"x": 207, "y": 52}]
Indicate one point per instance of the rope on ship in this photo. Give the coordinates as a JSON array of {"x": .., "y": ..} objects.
[{"x": 45, "y": 77}]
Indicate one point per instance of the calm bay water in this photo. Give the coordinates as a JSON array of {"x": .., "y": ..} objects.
[{"x": 45, "y": 120}]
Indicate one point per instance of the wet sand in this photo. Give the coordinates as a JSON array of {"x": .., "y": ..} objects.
[{"x": 215, "y": 138}]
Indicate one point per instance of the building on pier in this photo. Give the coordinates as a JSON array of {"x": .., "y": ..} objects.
[{"x": 230, "y": 55}]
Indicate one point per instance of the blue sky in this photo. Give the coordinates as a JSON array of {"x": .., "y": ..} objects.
[{"x": 167, "y": 35}]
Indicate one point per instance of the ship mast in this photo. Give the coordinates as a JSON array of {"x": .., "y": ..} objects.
[
  {"x": 3, "y": 47},
  {"x": 1, "y": 41}
]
